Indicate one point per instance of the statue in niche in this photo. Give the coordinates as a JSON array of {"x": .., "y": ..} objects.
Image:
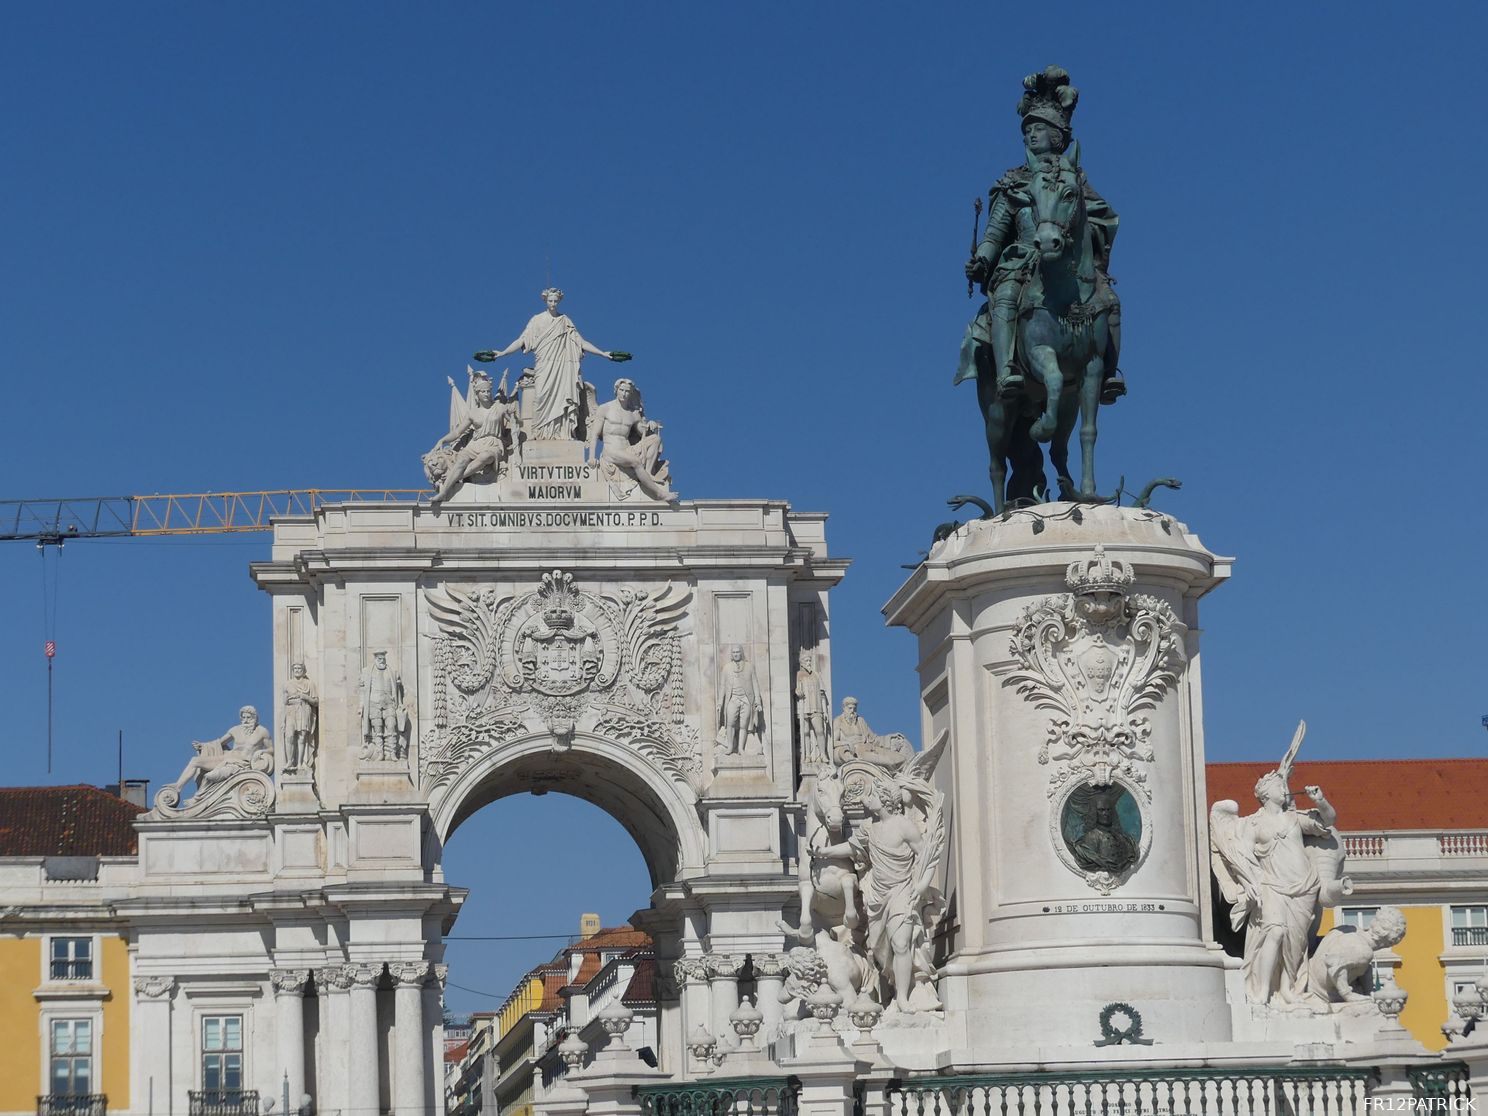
[
  {"x": 485, "y": 432},
  {"x": 1278, "y": 869},
  {"x": 384, "y": 711},
  {"x": 1340, "y": 970},
  {"x": 231, "y": 773},
  {"x": 897, "y": 854},
  {"x": 556, "y": 400},
  {"x": 832, "y": 921},
  {"x": 247, "y": 745},
  {"x": 1095, "y": 832},
  {"x": 741, "y": 709},
  {"x": 812, "y": 713},
  {"x": 852, "y": 739},
  {"x": 631, "y": 456},
  {"x": 301, "y": 712}
]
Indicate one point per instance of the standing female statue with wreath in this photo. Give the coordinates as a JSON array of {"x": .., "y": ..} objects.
[{"x": 557, "y": 389}]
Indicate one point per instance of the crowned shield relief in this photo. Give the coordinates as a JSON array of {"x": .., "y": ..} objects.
[
  {"x": 558, "y": 659},
  {"x": 1098, "y": 657}
]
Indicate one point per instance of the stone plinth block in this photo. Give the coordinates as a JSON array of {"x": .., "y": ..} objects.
[{"x": 1059, "y": 660}]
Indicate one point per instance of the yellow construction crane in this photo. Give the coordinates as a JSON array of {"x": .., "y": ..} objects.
[{"x": 53, "y": 522}]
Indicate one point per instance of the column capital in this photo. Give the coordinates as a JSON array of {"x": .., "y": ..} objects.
[
  {"x": 289, "y": 982},
  {"x": 409, "y": 974},
  {"x": 323, "y": 980},
  {"x": 690, "y": 970},
  {"x": 769, "y": 966},
  {"x": 154, "y": 987},
  {"x": 361, "y": 975},
  {"x": 441, "y": 974},
  {"x": 723, "y": 966}
]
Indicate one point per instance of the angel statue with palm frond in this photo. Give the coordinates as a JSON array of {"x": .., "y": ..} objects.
[
  {"x": 1278, "y": 867},
  {"x": 898, "y": 854}
]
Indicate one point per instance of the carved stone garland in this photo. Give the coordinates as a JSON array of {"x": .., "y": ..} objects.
[
  {"x": 1097, "y": 657},
  {"x": 557, "y": 656}
]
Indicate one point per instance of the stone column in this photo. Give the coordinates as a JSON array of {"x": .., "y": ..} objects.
[
  {"x": 331, "y": 985},
  {"x": 362, "y": 1060},
  {"x": 723, "y": 994},
  {"x": 691, "y": 974},
  {"x": 769, "y": 979},
  {"x": 289, "y": 1024},
  {"x": 408, "y": 1023},
  {"x": 434, "y": 1047},
  {"x": 150, "y": 1075}
]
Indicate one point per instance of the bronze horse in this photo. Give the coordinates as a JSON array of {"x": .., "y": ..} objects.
[{"x": 1064, "y": 346}]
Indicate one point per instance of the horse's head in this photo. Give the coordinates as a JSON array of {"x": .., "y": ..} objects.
[
  {"x": 1057, "y": 188},
  {"x": 826, "y": 801}
]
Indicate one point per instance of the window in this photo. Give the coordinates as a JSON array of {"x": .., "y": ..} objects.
[
  {"x": 71, "y": 959},
  {"x": 71, "y": 1057},
  {"x": 1357, "y": 917},
  {"x": 1470, "y": 926},
  {"x": 222, "y": 1053}
]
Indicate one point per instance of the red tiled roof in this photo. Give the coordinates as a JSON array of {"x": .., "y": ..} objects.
[
  {"x": 66, "y": 821},
  {"x": 642, "y": 986},
  {"x": 611, "y": 937},
  {"x": 455, "y": 1052},
  {"x": 1375, "y": 794}
]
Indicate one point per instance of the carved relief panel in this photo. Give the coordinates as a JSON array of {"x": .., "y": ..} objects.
[
  {"x": 559, "y": 658},
  {"x": 1098, "y": 659}
]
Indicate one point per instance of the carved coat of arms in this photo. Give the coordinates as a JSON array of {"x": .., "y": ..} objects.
[
  {"x": 1097, "y": 657},
  {"x": 557, "y": 657}
]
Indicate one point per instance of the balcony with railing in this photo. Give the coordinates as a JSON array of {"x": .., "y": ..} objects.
[
  {"x": 1470, "y": 936},
  {"x": 72, "y": 1104},
  {"x": 223, "y": 1102},
  {"x": 1440, "y": 852}
]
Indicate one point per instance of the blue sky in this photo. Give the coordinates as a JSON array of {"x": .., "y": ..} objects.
[{"x": 242, "y": 246}]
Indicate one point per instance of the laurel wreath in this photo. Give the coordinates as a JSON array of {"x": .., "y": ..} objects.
[{"x": 1114, "y": 1035}]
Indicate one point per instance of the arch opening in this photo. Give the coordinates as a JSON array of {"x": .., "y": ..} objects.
[{"x": 657, "y": 813}]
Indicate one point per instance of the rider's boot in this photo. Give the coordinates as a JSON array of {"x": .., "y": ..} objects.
[
  {"x": 1004, "y": 335},
  {"x": 1113, "y": 387}
]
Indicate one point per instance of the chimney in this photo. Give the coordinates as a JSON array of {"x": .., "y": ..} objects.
[
  {"x": 588, "y": 926},
  {"x": 136, "y": 791}
]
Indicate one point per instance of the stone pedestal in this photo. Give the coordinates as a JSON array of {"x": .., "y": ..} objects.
[{"x": 1059, "y": 659}]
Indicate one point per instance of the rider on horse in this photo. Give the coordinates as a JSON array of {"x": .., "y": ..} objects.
[{"x": 1005, "y": 261}]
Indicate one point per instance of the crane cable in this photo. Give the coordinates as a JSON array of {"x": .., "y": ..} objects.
[{"x": 49, "y": 593}]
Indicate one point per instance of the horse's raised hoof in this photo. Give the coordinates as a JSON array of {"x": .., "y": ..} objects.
[{"x": 1043, "y": 429}]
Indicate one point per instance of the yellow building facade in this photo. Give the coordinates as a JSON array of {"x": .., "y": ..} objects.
[{"x": 66, "y": 986}]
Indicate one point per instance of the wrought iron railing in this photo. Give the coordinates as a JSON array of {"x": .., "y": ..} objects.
[
  {"x": 72, "y": 1104},
  {"x": 1201, "y": 1091},
  {"x": 1445, "y": 1080},
  {"x": 739, "y": 1096},
  {"x": 223, "y": 1102},
  {"x": 1470, "y": 935}
]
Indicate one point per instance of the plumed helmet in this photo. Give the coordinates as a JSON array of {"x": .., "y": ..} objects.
[{"x": 1049, "y": 96}]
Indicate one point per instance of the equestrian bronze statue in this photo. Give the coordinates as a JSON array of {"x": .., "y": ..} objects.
[{"x": 1043, "y": 347}]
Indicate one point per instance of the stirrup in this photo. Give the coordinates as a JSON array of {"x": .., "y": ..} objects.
[
  {"x": 1113, "y": 389},
  {"x": 1009, "y": 386}
]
